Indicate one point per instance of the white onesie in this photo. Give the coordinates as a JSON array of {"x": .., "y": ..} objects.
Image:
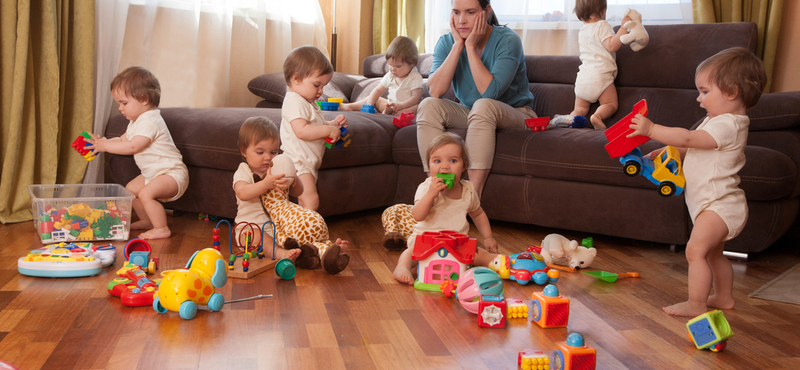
[
  {"x": 306, "y": 155},
  {"x": 446, "y": 213},
  {"x": 598, "y": 65},
  {"x": 401, "y": 92},
  {"x": 712, "y": 180}
]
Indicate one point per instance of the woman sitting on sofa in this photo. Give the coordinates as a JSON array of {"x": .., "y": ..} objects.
[{"x": 485, "y": 63}]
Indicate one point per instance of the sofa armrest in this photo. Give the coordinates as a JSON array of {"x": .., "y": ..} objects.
[
  {"x": 775, "y": 111},
  {"x": 272, "y": 87}
]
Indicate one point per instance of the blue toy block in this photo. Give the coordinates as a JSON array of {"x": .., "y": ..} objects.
[
  {"x": 709, "y": 329},
  {"x": 368, "y": 108},
  {"x": 140, "y": 258},
  {"x": 328, "y": 106}
]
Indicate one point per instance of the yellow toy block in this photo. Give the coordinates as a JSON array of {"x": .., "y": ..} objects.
[
  {"x": 86, "y": 234},
  {"x": 81, "y": 210},
  {"x": 335, "y": 100},
  {"x": 516, "y": 309}
]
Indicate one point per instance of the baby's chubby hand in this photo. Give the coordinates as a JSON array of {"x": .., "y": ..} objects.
[
  {"x": 490, "y": 244},
  {"x": 641, "y": 126},
  {"x": 275, "y": 181},
  {"x": 340, "y": 121},
  {"x": 437, "y": 185},
  {"x": 98, "y": 144}
]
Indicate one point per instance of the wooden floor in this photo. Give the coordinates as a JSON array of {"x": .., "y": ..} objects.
[{"x": 363, "y": 319}]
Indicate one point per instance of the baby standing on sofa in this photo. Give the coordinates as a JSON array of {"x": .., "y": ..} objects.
[
  {"x": 259, "y": 141},
  {"x": 403, "y": 81},
  {"x": 595, "y": 80},
  {"x": 164, "y": 177},
  {"x": 729, "y": 83},
  {"x": 303, "y": 129},
  {"x": 438, "y": 208}
]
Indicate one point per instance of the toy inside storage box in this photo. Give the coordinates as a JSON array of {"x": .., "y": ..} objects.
[{"x": 64, "y": 213}]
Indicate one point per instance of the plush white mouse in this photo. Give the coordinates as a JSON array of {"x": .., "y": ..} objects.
[
  {"x": 556, "y": 249},
  {"x": 637, "y": 36}
]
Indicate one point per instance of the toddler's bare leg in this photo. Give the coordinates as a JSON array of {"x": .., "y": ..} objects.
[
  {"x": 163, "y": 186},
  {"x": 402, "y": 272},
  {"x": 608, "y": 106},
  {"x": 134, "y": 187},
  {"x": 310, "y": 198}
]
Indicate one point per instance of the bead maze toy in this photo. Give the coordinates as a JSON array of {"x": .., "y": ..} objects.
[
  {"x": 492, "y": 311},
  {"x": 710, "y": 331},
  {"x": 184, "y": 289},
  {"x": 246, "y": 259},
  {"x": 476, "y": 282},
  {"x": 442, "y": 256},
  {"x": 574, "y": 354},
  {"x": 133, "y": 287},
  {"x": 67, "y": 260},
  {"x": 404, "y": 119},
  {"x": 548, "y": 308},
  {"x": 343, "y": 142},
  {"x": 619, "y": 143},
  {"x": 80, "y": 146}
]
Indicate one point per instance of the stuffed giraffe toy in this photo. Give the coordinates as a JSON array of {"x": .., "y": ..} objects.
[
  {"x": 398, "y": 224},
  {"x": 298, "y": 227}
]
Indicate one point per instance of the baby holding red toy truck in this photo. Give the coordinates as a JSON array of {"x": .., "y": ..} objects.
[
  {"x": 730, "y": 82},
  {"x": 595, "y": 80},
  {"x": 437, "y": 207},
  {"x": 164, "y": 176},
  {"x": 403, "y": 81},
  {"x": 259, "y": 141},
  {"x": 303, "y": 128}
]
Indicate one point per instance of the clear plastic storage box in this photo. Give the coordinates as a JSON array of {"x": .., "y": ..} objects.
[{"x": 63, "y": 213}]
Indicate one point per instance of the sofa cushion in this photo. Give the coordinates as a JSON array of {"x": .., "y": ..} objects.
[{"x": 272, "y": 87}]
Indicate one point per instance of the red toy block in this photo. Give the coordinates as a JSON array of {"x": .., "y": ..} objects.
[
  {"x": 537, "y": 124},
  {"x": 46, "y": 227},
  {"x": 80, "y": 145},
  {"x": 618, "y": 142},
  {"x": 404, "y": 119},
  {"x": 492, "y": 311}
]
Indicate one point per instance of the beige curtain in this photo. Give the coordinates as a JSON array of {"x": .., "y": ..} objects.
[
  {"x": 392, "y": 18},
  {"x": 47, "y": 77},
  {"x": 765, "y": 13}
]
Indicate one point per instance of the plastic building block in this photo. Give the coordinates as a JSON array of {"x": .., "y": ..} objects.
[
  {"x": 537, "y": 124},
  {"x": 516, "y": 309},
  {"x": 533, "y": 360},
  {"x": 491, "y": 311},
  {"x": 343, "y": 142},
  {"x": 449, "y": 179},
  {"x": 328, "y": 106},
  {"x": 588, "y": 242},
  {"x": 368, "y": 108},
  {"x": 335, "y": 100},
  {"x": 548, "y": 308},
  {"x": 404, "y": 119},
  {"x": 80, "y": 143},
  {"x": 618, "y": 142},
  {"x": 574, "y": 354},
  {"x": 710, "y": 330},
  {"x": 140, "y": 258}
]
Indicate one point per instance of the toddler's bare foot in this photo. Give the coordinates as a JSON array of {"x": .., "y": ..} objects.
[
  {"x": 343, "y": 244},
  {"x": 403, "y": 274},
  {"x": 160, "y": 233},
  {"x": 290, "y": 254},
  {"x": 723, "y": 303},
  {"x": 686, "y": 309},
  {"x": 597, "y": 122},
  {"x": 141, "y": 225}
]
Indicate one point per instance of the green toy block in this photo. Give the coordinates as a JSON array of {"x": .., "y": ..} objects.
[
  {"x": 449, "y": 179},
  {"x": 45, "y": 236},
  {"x": 74, "y": 232},
  {"x": 588, "y": 242},
  {"x": 44, "y": 218}
]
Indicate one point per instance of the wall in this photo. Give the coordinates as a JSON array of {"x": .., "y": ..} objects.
[
  {"x": 786, "y": 75},
  {"x": 354, "y": 32}
]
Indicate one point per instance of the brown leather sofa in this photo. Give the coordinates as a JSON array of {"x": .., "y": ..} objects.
[{"x": 559, "y": 178}]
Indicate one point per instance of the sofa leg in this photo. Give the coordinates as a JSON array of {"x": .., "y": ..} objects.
[
  {"x": 675, "y": 248},
  {"x": 736, "y": 255}
]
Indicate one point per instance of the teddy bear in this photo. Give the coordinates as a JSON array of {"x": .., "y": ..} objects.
[
  {"x": 298, "y": 227},
  {"x": 637, "y": 36},
  {"x": 556, "y": 249}
]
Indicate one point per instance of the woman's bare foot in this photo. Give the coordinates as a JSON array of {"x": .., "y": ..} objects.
[
  {"x": 723, "y": 303},
  {"x": 141, "y": 225},
  {"x": 161, "y": 233},
  {"x": 597, "y": 122},
  {"x": 686, "y": 309},
  {"x": 403, "y": 274},
  {"x": 346, "y": 106}
]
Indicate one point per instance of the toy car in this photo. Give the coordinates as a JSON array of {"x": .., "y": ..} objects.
[
  {"x": 666, "y": 171},
  {"x": 523, "y": 268}
]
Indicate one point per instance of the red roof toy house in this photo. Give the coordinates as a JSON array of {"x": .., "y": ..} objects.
[{"x": 442, "y": 256}]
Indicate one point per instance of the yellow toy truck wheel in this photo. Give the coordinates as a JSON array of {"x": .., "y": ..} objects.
[
  {"x": 666, "y": 189},
  {"x": 632, "y": 168}
]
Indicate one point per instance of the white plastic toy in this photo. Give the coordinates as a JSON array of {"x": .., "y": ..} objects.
[
  {"x": 637, "y": 36},
  {"x": 67, "y": 260},
  {"x": 558, "y": 250}
]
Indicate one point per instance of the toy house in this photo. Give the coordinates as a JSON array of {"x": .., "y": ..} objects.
[{"x": 442, "y": 256}]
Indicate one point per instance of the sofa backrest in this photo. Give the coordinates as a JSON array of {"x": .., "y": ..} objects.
[{"x": 662, "y": 72}]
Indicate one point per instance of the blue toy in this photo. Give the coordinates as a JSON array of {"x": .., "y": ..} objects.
[
  {"x": 343, "y": 142},
  {"x": 368, "y": 108},
  {"x": 665, "y": 171},
  {"x": 523, "y": 268},
  {"x": 328, "y": 106},
  {"x": 710, "y": 330}
]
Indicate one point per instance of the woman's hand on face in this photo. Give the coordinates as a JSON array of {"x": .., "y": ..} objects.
[
  {"x": 478, "y": 30},
  {"x": 457, "y": 40}
]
